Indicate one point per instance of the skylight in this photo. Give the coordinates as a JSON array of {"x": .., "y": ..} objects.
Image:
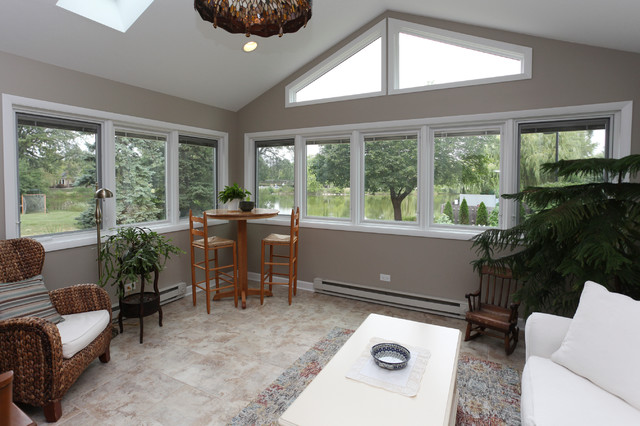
[{"x": 116, "y": 14}]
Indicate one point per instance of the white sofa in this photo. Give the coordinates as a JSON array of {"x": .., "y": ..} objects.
[{"x": 553, "y": 394}]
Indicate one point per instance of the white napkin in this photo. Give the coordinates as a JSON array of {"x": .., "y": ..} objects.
[{"x": 405, "y": 382}]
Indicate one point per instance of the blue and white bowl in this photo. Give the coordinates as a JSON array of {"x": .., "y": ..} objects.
[{"x": 390, "y": 356}]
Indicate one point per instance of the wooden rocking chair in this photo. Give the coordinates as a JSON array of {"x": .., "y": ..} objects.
[{"x": 491, "y": 309}]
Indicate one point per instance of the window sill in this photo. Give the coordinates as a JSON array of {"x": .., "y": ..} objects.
[
  {"x": 53, "y": 243},
  {"x": 450, "y": 233}
]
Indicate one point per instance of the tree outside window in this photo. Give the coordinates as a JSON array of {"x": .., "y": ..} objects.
[
  {"x": 56, "y": 174},
  {"x": 328, "y": 178},
  {"x": 390, "y": 177},
  {"x": 197, "y": 178},
  {"x": 275, "y": 175},
  {"x": 466, "y": 173},
  {"x": 140, "y": 178}
]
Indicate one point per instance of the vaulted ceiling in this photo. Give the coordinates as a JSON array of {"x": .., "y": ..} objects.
[{"x": 169, "y": 49}]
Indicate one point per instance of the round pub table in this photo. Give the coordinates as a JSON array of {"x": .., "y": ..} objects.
[{"x": 241, "y": 218}]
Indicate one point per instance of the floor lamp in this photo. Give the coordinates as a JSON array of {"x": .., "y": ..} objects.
[{"x": 101, "y": 194}]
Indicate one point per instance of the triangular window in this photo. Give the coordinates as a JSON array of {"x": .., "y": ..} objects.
[
  {"x": 420, "y": 58},
  {"x": 352, "y": 72},
  {"x": 426, "y": 58}
]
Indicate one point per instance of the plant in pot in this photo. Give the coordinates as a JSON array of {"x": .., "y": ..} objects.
[
  {"x": 234, "y": 195},
  {"x": 129, "y": 257},
  {"x": 575, "y": 233}
]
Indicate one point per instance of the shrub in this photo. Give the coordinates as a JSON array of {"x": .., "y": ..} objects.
[
  {"x": 448, "y": 211},
  {"x": 482, "y": 216},
  {"x": 494, "y": 217},
  {"x": 464, "y": 212}
]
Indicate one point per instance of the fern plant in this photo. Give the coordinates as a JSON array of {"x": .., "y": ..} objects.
[{"x": 576, "y": 233}]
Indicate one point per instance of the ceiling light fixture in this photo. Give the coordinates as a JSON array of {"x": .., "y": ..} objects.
[
  {"x": 263, "y": 18},
  {"x": 250, "y": 46}
]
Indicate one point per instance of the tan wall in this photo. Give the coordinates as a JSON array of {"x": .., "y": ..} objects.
[
  {"x": 564, "y": 74},
  {"x": 23, "y": 77}
]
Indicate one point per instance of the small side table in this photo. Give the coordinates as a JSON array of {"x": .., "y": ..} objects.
[{"x": 140, "y": 305}]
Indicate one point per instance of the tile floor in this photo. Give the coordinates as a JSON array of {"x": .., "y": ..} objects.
[{"x": 201, "y": 369}]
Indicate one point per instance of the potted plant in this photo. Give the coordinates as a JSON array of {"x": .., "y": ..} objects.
[
  {"x": 233, "y": 195},
  {"x": 129, "y": 257},
  {"x": 575, "y": 233}
]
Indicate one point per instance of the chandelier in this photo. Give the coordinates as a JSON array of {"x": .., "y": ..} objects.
[{"x": 263, "y": 18}]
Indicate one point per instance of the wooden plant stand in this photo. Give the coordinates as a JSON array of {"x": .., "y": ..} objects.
[{"x": 140, "y": 305}]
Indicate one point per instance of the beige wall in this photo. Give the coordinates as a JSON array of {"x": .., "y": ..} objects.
[
  {"x": 23, "y": 77},
  {"x": 564, "y": 74}
]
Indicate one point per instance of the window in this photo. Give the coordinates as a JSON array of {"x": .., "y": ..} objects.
[
  {"x": 339, "y": 81},
  {"x": 420, "y": 58},
  {"x": 390, "y": 177},
  {"x": 197, "y": 174},
  {"x": 413, "y": 177},
  {"x": 425, "y": 58},
  {"x": 140, "y": 178},
  {"x": 548, "y": 142},
  {"x": 358, "y": 70},
  {"x": 275, "y": 174},
  {"x": 157, "y": 171},
  {"x": 328, "y": 178},
  {"x": 466, "y": 181},
  {"x": 57, "y": 173}
]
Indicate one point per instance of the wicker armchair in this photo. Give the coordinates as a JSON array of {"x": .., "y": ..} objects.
[{"x": 31, "y": 346}]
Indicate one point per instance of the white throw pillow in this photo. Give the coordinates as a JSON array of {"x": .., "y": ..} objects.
[{"x": 603, "y": 344}]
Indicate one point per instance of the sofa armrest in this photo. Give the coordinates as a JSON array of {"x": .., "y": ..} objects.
[
  {"x": 80, "y": 298},
  {"x": 543, "y": 334}
]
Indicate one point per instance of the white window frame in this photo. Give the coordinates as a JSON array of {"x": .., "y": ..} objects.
[
  {"x": 620, "y": 137},
  {"x": 377, "y": 31},
  {"x": 494, "y": 47},
  {"x": 109, "y": 122}
]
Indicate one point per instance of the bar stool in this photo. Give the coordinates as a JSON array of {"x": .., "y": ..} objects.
[
  {"x": 281, "y": 260},
  {"x": 220, "y": 273}
]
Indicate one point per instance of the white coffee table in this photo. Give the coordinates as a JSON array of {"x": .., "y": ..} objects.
[{"x": 332, "y": 399}]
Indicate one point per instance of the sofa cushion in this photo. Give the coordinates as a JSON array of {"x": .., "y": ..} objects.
[
  {"x": 602, "y": 342},
  {"x": 78, "y": 330},
  {"x": 553, "y": 395},
  {"x": 27, "y": 298}
]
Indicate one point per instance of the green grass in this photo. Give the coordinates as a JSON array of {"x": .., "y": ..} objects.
[{"x": 48, "y": 223}]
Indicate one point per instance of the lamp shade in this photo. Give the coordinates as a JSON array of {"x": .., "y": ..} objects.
[
  {"x": 263, "y": 18},
  {"x": 103, "y": 193}
]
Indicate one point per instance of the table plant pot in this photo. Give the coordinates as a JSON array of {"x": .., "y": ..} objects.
[{"x": 247, "y": 206}]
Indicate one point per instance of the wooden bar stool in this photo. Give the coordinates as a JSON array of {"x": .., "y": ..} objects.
[
  {"x": 278, "y": 261},
  {"x": 210, "y": 246}
]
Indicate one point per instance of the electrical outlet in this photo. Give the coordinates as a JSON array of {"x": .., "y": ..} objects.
[
  {"x": 385, "y": 277},
  {"x": 128, "y": 288}
]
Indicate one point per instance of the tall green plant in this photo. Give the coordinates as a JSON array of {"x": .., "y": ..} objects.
[
  {"x": 464, "y": 212},
  {"x": 448, "y": 210},
  {"x": 132, "y": 253},
  {"x": 576, "y": 233},
  {"x": 482, "y": 215}
]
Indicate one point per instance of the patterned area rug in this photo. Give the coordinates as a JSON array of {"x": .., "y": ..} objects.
[{"x": 489, "y": 393}]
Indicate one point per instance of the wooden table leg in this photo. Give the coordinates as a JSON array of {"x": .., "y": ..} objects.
[{"x": 242, "y": 261}]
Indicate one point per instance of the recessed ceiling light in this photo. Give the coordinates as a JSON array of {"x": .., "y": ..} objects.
[
  {"x": 119, "y": 15},
  {"x": 250, "y": 46}
]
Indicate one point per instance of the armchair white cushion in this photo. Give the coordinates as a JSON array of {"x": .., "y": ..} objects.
[{"x": 78, "y": 330}]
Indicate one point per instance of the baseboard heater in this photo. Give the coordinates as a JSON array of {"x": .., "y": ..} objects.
[
  {"x": 167, "y": 295},
  {"x": 434, "y": 305}
]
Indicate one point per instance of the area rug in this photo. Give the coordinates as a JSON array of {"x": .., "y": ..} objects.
[{"x": 489, "y": 393}]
